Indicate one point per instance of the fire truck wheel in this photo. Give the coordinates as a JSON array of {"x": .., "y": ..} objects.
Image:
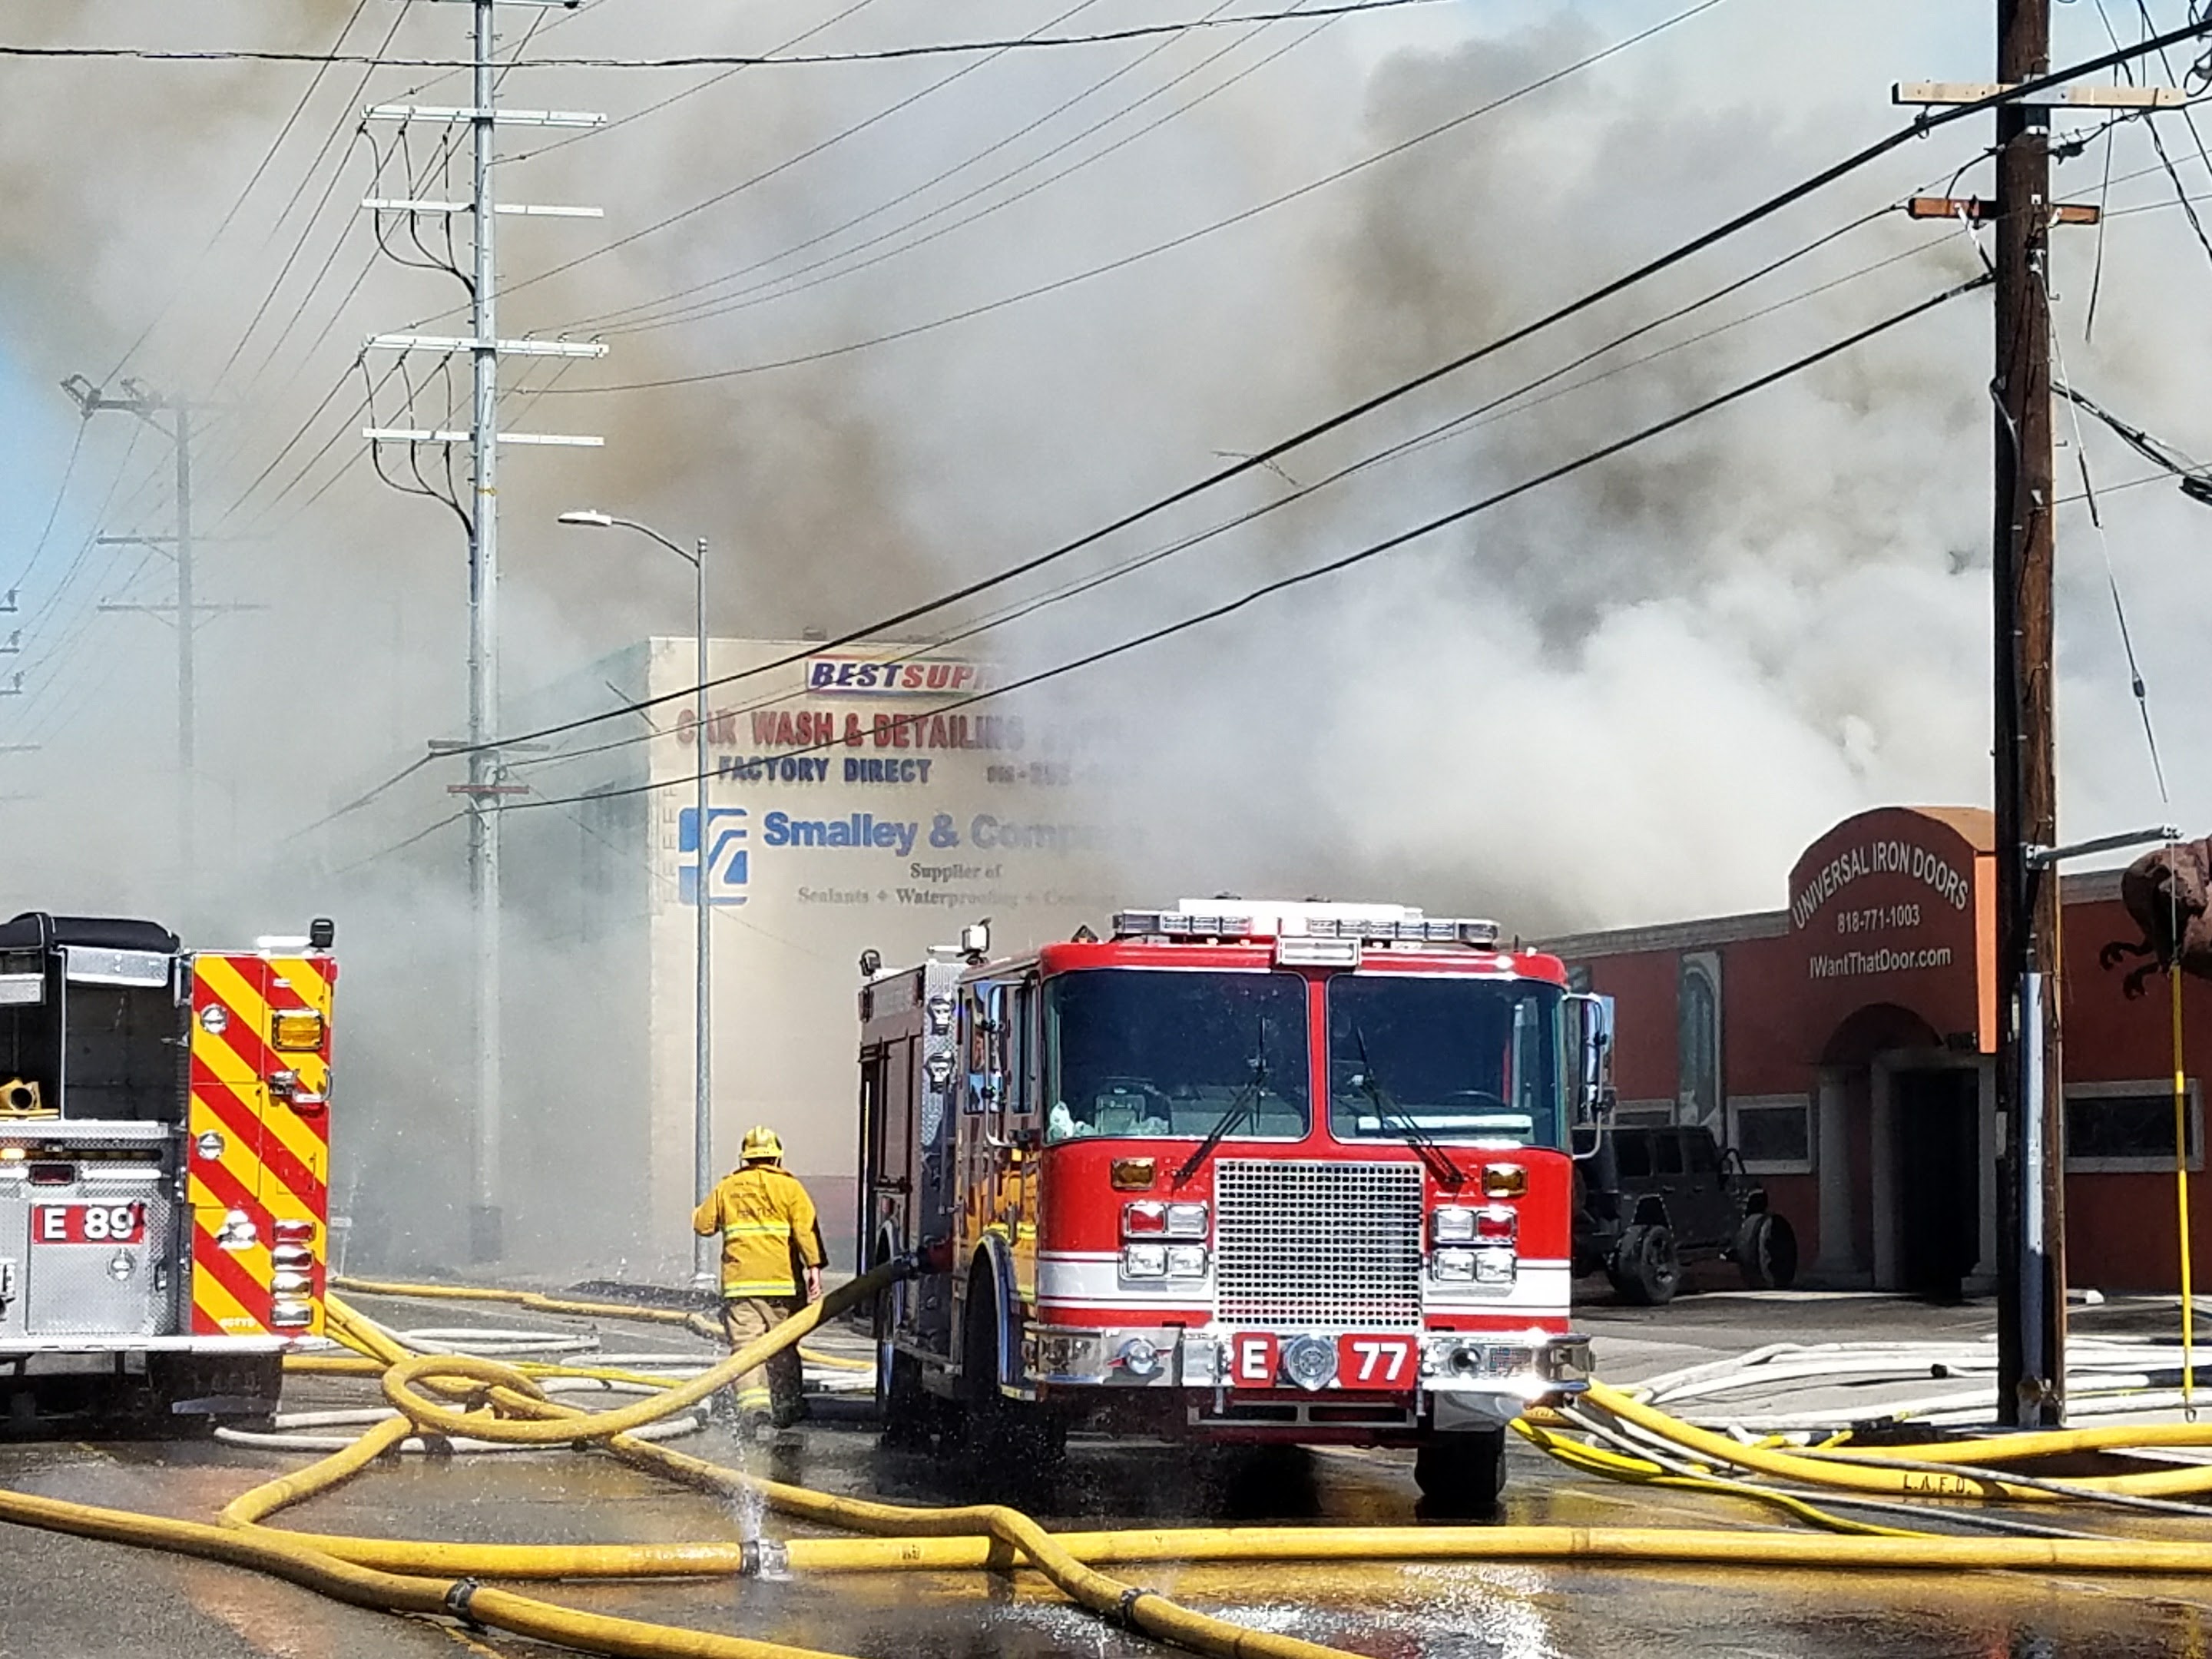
[
  {"x": 1025, "y": 1443},
  {"x": 1645, "y": 1270},
  {"x": 1766, "y": 1252},
  {"x": 1461, "y": 1475},
  {"x": 903, "y": 1407}
]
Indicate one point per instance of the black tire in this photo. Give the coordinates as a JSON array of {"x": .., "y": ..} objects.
[
  {"x": 1646, "y": 1269},
  {"x": 1766, "y": 1252},
  {"x": 903, "y": 1413},
  {"x": 1021, "y": 1442},
  {"x": 1461, "y": 1475}
]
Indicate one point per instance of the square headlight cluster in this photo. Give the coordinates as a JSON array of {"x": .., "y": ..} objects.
[
  {"x": 1150, "y": 1218},
  {"x": 1163, "y": 1261}
]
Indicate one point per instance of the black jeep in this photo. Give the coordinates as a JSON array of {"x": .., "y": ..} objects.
[{"x": 1648, "y": 1199}]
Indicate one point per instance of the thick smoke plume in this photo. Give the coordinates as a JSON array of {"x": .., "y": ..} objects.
[{"x": 1630, "y": 696}]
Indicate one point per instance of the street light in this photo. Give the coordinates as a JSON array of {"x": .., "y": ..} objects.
[{"x": 706, "y": 1251}]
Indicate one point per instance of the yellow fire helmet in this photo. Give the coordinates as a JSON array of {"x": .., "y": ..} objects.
[{"x": 761, "y": 1146}]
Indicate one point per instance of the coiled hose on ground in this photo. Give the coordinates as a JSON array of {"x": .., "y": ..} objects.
[{"x": 473, "y": 1399}]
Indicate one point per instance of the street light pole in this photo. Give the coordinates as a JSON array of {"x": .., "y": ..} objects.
[{"x": 705, "y": 1252}]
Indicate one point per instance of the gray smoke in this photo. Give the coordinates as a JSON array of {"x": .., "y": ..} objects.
[{"x": 1632, "y": 695}]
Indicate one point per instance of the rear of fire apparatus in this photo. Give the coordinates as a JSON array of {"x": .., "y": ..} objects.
[
  {"x": 1242, "y": 1172},
  {"x": 164, "y": 1161}
]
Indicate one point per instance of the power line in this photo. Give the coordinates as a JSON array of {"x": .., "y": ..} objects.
[
  {"x": 1538, "y": 85},
  {"x": 1921, "y": 126},
  {"x": 709, "y": 60},
  {"x": 61, "y": 493},
  {"x": 765, "y": 174},
  {"x": 176, "y": 287},
  {"x": 1373, "y": 550},
  {"x": 712, "y": 81},
  {"x": 306, "y": 177},
  {"x": 739, "y": 300},
  {"x": 1502, "y": 406}
]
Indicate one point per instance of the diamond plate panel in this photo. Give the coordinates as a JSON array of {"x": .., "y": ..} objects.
[{"x": 70, "y": 1289}]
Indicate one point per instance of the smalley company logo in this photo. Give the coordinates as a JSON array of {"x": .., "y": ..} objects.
[{"x": 728, "y": 863}]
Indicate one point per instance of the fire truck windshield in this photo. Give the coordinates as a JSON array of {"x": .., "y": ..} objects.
[
  {"x": 1160, "y": 1055},
  {"x": 1445, "y": 1059}
]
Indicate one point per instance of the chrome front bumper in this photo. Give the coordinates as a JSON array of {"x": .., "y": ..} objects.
[{"x": 1524, "y": 1367}]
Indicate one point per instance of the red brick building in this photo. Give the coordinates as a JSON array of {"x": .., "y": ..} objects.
[{"x": 1844, "y": 1044}]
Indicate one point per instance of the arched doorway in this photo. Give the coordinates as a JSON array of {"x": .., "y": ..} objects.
[{"x": 1908, "y": 1146}]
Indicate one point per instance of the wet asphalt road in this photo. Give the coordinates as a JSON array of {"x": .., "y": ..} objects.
[{"x": 61, "y": 1597}]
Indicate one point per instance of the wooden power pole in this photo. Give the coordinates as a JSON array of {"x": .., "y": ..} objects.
[{"x": 2032, "y": 1219}]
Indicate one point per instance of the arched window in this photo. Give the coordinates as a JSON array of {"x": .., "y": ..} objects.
[{"x": 1700, "y": 1093}]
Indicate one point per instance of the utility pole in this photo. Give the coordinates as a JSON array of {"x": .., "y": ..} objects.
[
  {"x": 148, "y": 405},
  {"x": 2032, "y": 1188},
  {"x": 485, "y": 348},
  {"x": 2030, "y": 1070}
]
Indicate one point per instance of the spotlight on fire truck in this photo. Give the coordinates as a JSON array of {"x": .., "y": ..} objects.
[
  {"x": 1138, "y": 1357},
  {"x": 975, "y": 940},
  {"x": 1310, "y": 1362}
]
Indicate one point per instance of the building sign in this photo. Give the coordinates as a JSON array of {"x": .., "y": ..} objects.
[
  {"x": 860, "y": 801},
  {"x": 873, "y": 676},
  {"x": 1894, "y": 907}
]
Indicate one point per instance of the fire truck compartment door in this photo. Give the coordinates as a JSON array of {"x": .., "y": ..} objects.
[
  {"x": 95, "y": 1257},
  {"x": 226, "y": 1127}
]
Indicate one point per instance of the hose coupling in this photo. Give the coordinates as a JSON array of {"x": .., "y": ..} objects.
[
  {"x": 459, "y": 1596},
  {"x": 764, "y": 1557},
  {"x": 1125, "y": 1613}
]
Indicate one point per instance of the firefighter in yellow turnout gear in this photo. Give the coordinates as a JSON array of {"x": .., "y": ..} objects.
[{"x": 771, "y": 1267}]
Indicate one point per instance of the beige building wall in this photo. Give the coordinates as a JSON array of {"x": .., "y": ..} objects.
[{"x": 854, "y": 807}]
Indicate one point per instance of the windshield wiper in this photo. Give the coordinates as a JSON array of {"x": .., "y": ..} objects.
[
  {"x": 1238, "y": 1109},
  {"x": 1438, "y": 1161}
]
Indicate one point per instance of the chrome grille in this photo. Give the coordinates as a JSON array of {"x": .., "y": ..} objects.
[{"x": 1318, "y": 1246}]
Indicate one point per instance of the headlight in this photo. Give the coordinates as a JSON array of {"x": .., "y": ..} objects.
[
  {"x": 1453, "y": 1264},
  {"x": 1186, "y": 1261},
  {"x": 1493, "y": 1267},
  {"x": 1186, "y": 1221},
  {"x": 1144, "y": 1261},
  {"x": 1146, "y": 1219},
  {"x": 1454, "y": 1226}
]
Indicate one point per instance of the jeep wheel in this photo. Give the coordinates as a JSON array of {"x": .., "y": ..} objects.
[
  {"x": 1646, "y": 1271},
  {"x": 1766, "y": 1252}
]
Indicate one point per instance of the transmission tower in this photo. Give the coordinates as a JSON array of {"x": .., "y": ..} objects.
[{"x": 484, "y": 348}]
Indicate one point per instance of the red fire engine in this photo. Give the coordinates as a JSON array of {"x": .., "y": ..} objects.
[
  {"x": 164, "y": 1162},
  {"x": 1242, "y": 1172}
]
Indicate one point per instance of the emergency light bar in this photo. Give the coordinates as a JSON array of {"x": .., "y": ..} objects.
[{"x": 1357, "y": 924}]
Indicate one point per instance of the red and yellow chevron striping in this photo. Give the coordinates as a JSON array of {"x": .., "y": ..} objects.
[{"x": 258, "y": 1163}]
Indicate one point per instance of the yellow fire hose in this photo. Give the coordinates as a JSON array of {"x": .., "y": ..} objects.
[
  {"x": 481, "y": 1398},
  {"x": 697, "y": 1323}
]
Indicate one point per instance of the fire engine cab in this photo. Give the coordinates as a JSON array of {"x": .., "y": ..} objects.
[
  {"x": 1241, "y": 1172},
  {"x": 164, "y": 1157}
]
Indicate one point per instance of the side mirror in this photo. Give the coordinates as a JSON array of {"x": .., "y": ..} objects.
[{"x": 1592, "y": 1018}]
